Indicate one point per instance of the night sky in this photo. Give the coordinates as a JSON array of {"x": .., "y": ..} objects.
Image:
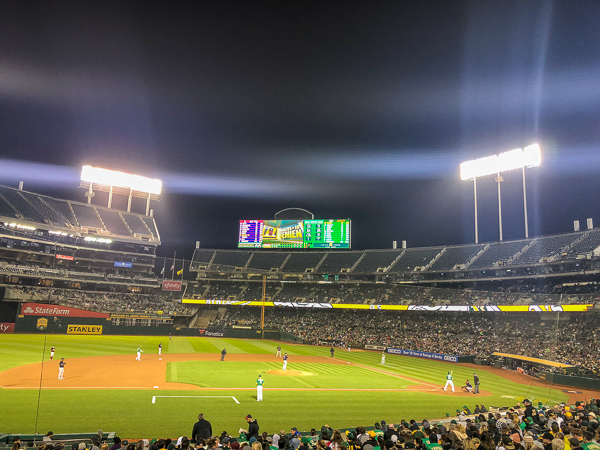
[{"x": 360, "y": 110}]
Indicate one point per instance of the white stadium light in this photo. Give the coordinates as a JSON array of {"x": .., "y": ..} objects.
[
  {"x": 530, "y": 156},
  {"x": 113, "y": 178},
  {"x": 521, "y": 158}
]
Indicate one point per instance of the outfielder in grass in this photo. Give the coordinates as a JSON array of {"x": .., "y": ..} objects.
[
  {"x": 449, "y": 381},
  {"x": 259, "y": 388}
]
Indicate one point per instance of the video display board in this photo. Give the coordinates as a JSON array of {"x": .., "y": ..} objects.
[{"x": 294, "y": 233}]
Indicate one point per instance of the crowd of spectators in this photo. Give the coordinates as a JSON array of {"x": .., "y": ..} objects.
[
  {"x": 522, "y": 427},
  {"x": 571, "y": 339},
  {"x": 111, "y": 302}
]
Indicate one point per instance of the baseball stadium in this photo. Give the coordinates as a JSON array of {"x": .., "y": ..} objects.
[{"x": 98, "y": 332}]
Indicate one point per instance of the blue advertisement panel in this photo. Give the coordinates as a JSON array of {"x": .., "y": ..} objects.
[
  {"x": 123, "y": 264},
  {"x": 418, "y": 354}
]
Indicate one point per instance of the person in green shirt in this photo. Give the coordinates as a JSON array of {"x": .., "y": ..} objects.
[
  {"x": 588, "y": 443},
  {"x": 433, "y": 443},
  {"x": 139, "y": 353},
  {"x": 449, "y": 381},
  {"x": 259, "y": 389}
]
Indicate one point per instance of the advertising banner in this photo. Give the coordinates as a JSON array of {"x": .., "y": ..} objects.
[
  {"x": 171, "y": 285},
  {"x": 123, "y": 264},
  {"x": 65, "y": 257},
  {"x": 84, "y": 329},
  {"x": 381, "y": 348},
  {"x": 7, "y": 327},
  {"x": 427, "y": 355},
  {"x": 211, "y": 332},
  {"x": 41, "y": 309}
]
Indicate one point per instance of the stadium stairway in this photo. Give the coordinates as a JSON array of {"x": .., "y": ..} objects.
[{"x": 203, "y": 317}]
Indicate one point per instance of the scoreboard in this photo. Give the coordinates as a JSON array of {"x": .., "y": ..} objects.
[{"x": 294, "y": 233}]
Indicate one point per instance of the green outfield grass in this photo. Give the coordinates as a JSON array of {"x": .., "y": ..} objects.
[{"x": 132, "y": 414}]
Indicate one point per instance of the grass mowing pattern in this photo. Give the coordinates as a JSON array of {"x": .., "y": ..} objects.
[
  {"x": 323, "y": 376},
  {"x": 132, "y": 415}
]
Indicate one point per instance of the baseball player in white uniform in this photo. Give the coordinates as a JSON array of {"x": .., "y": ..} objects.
[
  {"x": 285, "y": 358},
  {"x": 159, "y": 349},
  {"x": 449, "y": 381},
  {"x": 139, "y": 353},
  {"x": 382, "y": 357},
  {"x": 278, "y": 354},
  {"x": 259, "y": 389}
]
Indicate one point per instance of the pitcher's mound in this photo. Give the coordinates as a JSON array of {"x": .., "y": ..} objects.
[{"x": 289, "y": 373}]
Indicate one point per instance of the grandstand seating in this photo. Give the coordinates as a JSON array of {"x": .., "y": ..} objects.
[
  {"x": 267, "y": 260},
  {"x": 22, "y": 206},
  {"x": 374, "y": 260},
  {"x": 498, "y": 254},
  {"x": 411, "y": 259},
  {"x": 588, "y": 243},
  {"x": 113, "y": 222},
  {"x": 300, "y": 261},
  {"x": 229, "y": 260},
  {"x": 62, "y": 207},
  {"x": 336, "y": 262},
  {"x": 6, "y": 210},
  {"x": 456, "y": 256},
  {"x": 151, "y": 226},
  {"x": 50, "y": 215},
  {"x": 87, "y": 216},
  {"x": 545, "y": 247},
  {"x": 202, "y": 257},
  {"x": 136, "y": 224}
]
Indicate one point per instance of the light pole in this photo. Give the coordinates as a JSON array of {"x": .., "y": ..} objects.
[{"x": 530, "y": 156}]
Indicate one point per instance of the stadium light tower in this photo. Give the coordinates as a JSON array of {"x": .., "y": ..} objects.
[
  {"x": 520, "y": 158},
  {"x": 120, "y": 183}
]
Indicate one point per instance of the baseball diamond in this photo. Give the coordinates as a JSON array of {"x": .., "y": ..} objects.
[{"x": 103, "y": 371}]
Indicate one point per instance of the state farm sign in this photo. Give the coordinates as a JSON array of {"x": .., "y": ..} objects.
[
  {"x": 39, "y": 309},
  {"x": 170, "y": 285}
]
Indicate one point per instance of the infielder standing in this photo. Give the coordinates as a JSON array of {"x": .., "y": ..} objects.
[
  {"x": 285, "y": 358},
  {"x": 160, "y": 349},
  {"x": 278, "y": 354},
  {"x": 61, "y": 369},
  {"x": 382, "y": 357},
  {"x": 449, "y": 381},
  {"x": 259, "y": 388},
  {"x": 52, "y": 352},
  {"x": 139, "y": 353}
]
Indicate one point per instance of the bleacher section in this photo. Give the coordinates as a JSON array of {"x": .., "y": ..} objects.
[
  {"x": 335, "y": 262},
  {"x": 63, "y": 208},
  {"x": 6, "y": 210},
  {"x": 49, "y": 214},
  {"x": 456, "y": 256},
  {"x": 136, "y": 224},
  {"x": 375, "y": 260},
  {"x": 113, "y": 222},
  {"x": 87, "y": 216},
  {"x": 22, "y": 206},
  {"x": 151, "y": 226},
  {"x": 589, "y": 243},
  {"x": 498, "y": 254},
  {"x": 415, "y": 258},
  {"x": 545, "y": 247},
  {"x": 299, "y": 262},
  {"x": 229, "y": 260},
  {"x": 267, "y": 260}
]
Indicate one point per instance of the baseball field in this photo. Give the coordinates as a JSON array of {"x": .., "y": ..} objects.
[{"x": 161, "y": 396}]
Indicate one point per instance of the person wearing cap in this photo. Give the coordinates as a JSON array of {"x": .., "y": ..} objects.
[
  {"x": 48, "y": 436},
  {"x": 588, "y": 443},
  {"x": 223, "y": 353},
  {"x": 391, "y": 431},
  {"x": 202, "y": 429},
  {"x": 259, "y": 389},
  {"x": 285, "y": 360},
  {"x": 530, "y": 411},
  {"x": 61, "y": 369},
  {"x": 253, "y": 428},
  {"x": 475, "y": 383}
]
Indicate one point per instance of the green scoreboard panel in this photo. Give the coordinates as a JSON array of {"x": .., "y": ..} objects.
[{"x": 327, "y": 233}]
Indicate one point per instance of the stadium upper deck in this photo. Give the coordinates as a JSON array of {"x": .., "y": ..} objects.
[{"x": 547, "y": 255}]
